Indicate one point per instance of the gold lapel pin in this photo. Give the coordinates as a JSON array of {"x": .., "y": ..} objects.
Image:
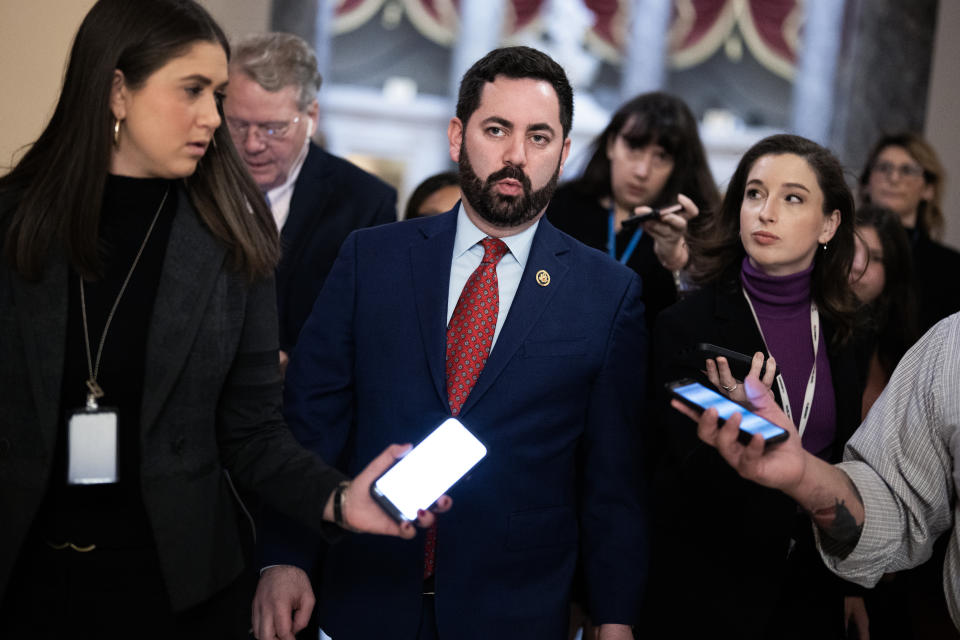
[{"x": 543, "y": 278}]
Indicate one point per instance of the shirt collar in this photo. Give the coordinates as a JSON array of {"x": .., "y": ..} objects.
[
  {"x": 276, "y": 193},
  {"x": 469, "y": 235}
]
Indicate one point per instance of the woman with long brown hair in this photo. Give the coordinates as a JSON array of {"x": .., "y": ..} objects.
[
  {"x": 139, "y": 360},
  {"x": 773, "y": 269},
  {"x": 649, "y": 155}
]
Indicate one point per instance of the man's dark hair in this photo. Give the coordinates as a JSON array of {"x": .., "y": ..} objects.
[{"x": 515, "y": 62}]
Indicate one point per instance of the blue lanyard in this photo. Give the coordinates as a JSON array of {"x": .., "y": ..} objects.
[{"x": 612, "y": 242}]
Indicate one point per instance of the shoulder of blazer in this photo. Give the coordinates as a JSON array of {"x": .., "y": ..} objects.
[{"x": 321, "y": 166}]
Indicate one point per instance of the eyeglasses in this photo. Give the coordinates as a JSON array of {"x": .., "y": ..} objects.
[
  {"x": 263, "y": 130},
  {"x": 888, "y": 169}
]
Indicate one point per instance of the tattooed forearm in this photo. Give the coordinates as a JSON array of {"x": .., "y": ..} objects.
[{"x": 839, "y": 531}]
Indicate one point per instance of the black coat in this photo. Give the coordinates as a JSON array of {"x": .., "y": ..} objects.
[
  {"x": 729, "y": 552},
  {"x": 585, "y": 219},
  {"x": 937, "y": 273},
  {"x": 332, "y": 197},
  {"x": 211, "y": 404}
]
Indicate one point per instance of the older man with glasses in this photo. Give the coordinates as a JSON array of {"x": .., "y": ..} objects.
[{"x": 317, "y": 198}]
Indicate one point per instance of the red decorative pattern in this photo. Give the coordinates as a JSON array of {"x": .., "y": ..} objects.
[
  {"x": 524, "y": 13},
  {"x": 772, "y": 19},
  {"x": 472, "y": 325}
]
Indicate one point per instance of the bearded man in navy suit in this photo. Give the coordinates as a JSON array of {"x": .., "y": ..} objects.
[
  {"x": 317, "y": 198},
  {"x": 557, "y": 402}
]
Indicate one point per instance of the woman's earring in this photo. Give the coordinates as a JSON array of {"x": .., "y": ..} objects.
[
  {"x": 116, "y": 133},
  {"x": 824, "y": 246}
]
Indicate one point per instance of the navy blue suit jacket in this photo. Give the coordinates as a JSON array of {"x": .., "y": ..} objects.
[
  {"x": 557, "y": 406},
  {"x": 331, "y": 198}
]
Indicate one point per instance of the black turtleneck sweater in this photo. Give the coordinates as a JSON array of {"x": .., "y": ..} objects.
[{"x": 111, "y": 515}]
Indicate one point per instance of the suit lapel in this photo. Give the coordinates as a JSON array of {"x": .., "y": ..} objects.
[
  {"x": 430, "y": 262},
  {"x": 309, "y": 197},
  {"x": 42, "y": 315},
  {"x": 547, "y": 253},
  {"x": 190, "y": 269}
]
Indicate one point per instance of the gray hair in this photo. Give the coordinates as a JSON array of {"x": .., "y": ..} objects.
[{"x": 278, "y": 60}]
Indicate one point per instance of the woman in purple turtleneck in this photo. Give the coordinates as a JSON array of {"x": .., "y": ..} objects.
[{"x": 773, "y": 269}]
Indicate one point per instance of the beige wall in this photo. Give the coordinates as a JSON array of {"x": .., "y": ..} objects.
[
  {"x": 942, "y": 129},
  {"x": 239, "y": 17},
  {"x": 35, "y": 38}
]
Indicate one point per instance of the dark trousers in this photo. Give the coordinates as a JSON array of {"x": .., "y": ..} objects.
[
  {"x": 110, "y": 593},
  {"x": 428, "y": 620}
]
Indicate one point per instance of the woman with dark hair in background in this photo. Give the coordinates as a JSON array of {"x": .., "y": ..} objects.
[
  {"x": 139, "y": 354},
  {"x": 882, "y": 279},
  {"x": 436, "y": 194},
  {"x": 773, "y": 266},
  {"x": 904, "y": 175},
  {"x": 649, "y": 154}
]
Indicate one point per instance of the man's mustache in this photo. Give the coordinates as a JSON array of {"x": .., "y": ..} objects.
[{"x": 510, "y": 172}]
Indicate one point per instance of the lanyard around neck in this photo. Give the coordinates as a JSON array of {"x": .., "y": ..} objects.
[
  {"x": 811, "y": 381},
  {"x": 612, "y": 241},
  {"x": 95, "y": 392}
]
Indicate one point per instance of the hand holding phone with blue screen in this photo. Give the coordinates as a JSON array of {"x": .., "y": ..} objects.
[
  {"x": 427, "y": 471},
  {"x": 700, "y": 397}
]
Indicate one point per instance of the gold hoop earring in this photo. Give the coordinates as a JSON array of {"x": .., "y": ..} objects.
[{"x": 116, "y": 133}]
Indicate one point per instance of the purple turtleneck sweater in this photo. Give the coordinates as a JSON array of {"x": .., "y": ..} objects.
[{"x": 782, "y": 304}]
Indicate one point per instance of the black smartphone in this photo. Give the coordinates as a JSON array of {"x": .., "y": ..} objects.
[
  {"x": 739, "y": 362},
  {"x": 653, "y": 214},
  {"x": 700, "y": 397},
  {"x": 643, "y": 217},
  {"x": 427, "y": 471}
]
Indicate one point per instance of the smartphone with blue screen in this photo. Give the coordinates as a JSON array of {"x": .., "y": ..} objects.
[
  {"x": 700, "y": 397},
  {"x": 427, "y": 471}
]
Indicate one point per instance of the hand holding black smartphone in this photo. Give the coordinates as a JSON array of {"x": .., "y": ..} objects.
[
  {"x": 740, "y": 363},
  {"x": 427, "y": 471},
  {"x": 700, "y": 397},
  {"x": 653, "y": 214}
]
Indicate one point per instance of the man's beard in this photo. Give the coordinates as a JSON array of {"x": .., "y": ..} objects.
[{"x": 498, "y": 209}]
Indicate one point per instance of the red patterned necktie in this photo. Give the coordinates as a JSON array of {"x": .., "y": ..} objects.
[{"x": 469, "y": 336}]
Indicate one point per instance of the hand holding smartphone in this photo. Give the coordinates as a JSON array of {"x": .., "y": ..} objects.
[
  {"x": 739, "y": 363},
  {"x": 699, "y": 397},
  {"x": 653, "y": 214},
  {"x": 427, "y": 471}
]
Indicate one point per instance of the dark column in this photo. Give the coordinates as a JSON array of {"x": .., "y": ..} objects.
[{"x": 883, "y": 74}]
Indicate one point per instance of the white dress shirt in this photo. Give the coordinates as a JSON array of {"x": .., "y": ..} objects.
[
  {"x": 468, "y": 254},
  {"x": 279, "y": 197}
]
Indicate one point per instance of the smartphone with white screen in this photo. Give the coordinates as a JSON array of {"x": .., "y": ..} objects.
[
  {"x": 427, "y": 471},
  {"x": 699, "y": 397}
]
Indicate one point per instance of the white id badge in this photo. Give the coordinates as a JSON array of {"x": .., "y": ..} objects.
[{"x": 92, "y": 447}]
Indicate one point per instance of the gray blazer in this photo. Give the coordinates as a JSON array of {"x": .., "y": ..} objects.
[{"x": 212, "y": 395}]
